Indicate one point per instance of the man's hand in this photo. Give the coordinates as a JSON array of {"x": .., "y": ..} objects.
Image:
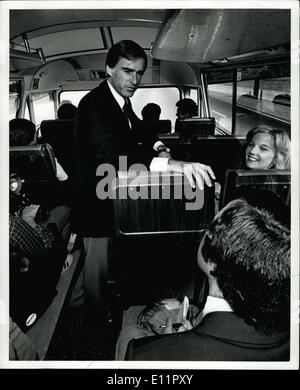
[
  {"x": 194, "y": 172},
  {"x": 29, "y": 214}
]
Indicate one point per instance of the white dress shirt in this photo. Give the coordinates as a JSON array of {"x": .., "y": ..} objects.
[
  {"x": 158, "y": 163},
  {"x": 215, "y": 304}
]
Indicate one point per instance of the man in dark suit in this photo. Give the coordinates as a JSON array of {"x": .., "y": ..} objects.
[
  {"x": 107, "y": 128},
  {"x": 245, "y": 255}
]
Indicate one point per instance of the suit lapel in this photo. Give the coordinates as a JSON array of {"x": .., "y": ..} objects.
[
  {"x": 114, "y": 114},
  {"x": 117, "y": 116}
]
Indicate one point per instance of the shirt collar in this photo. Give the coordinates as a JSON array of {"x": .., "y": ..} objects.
[
  {"x": 215, "y": 304},
  {"x": 120, "y": 100}
]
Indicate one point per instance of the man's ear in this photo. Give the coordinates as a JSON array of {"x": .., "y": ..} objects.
[{"x": 108, "y": 70}]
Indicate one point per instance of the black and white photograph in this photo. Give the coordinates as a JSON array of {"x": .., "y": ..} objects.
[{"x": 149, "y": 186}]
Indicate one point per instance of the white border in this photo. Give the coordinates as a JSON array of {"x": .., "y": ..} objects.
[{"x": 5, "y": 6}]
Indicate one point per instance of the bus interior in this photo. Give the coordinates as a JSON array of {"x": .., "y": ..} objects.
[{"x": 235, "y": 64}]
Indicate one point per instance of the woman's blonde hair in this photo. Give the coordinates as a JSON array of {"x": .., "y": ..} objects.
[{"x": 282, "y": 144}]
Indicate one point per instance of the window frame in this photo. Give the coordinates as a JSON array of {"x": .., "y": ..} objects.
[{"x": 234, "y": 79}]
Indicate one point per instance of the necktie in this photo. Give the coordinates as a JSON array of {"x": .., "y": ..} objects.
[{"x": 127, "y": 109}]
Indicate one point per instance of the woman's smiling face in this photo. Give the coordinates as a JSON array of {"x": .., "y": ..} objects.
[{"x": 260, "y": 152}]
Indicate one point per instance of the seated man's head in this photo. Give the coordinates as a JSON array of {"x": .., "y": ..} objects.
[
  {"x": 267, "y": 148},
  {"x": 186, "y": 108},
  {"x": 246, "y": 257},
  {"x": 151, "y": 112},
  {"x": 67, "y": 111},
  {"x": 21, "y": 132}
]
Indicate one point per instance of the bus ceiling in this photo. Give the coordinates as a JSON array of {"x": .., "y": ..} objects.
[
  {"x": 66, "y": 33},
  {"x": 207, "y": 37},
  {"x": 218, "y": 36},
  {"x": 45, "y": 21}
]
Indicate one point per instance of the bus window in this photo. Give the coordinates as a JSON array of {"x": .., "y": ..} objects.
[
  {"x": 165, "y": 97},
  {"x": 262, "y": 98},
  {"x": 220, "y": 100},
  {"x": 27, "y": 114},
  {"x": 72, "y": 96},
  {"x": 57, "y": 42},
  {"x": 43, "y": 106},
  {"x": 275, "y": 97},
  {"x": 14, "y": 102},
  {"x": 15, "y": 90},
  {"x": 194, "y": 94}
]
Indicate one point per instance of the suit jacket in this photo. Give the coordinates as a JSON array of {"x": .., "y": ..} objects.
[
  {"x": 102, "y": 135},
  {"x": 221, "y": 336}
]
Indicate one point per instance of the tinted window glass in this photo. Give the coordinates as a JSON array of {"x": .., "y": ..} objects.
[{"x": 166, "y": 98}]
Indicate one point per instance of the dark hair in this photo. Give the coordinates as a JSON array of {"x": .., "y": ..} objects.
[
  {"x": 125, "y": 49},
  {"x": 251, "y": 253},
  {"x": 151, "y": 112},
  {"x": 67, "y": 111},
  {"x": 21, "y": 132},
  {"x": 188, "y": 106}
]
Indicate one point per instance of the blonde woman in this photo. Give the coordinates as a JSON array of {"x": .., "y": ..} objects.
[{"x": 267, "y": 148}]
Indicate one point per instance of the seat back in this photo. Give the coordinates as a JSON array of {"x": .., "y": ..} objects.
[
  {"x": 189, "y": 129},
  {"x": 35, "y": 168},
  {"x": 220, "y": 152},
  {"x": 33, "y": 163},
  {"x": 269, "y": 189},
  {"x": 159, "y": 221},
  {"x": 60, "y": 133},
  {"x": 162, "y": 126},
  {"x": 156, "y": 204},
  {"x": 240, "y": 181}
]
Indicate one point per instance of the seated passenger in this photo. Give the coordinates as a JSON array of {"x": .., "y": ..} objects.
[
  {"x": 267, "y": 148},
  {"x": 66, "y": 111},
  {"x": 22, "y": 133},
  {"x": 151, "y": 112},
  {"x": 27, "y": 236},
  {"x": 246, "y": 316},
  {"x": 186, "y": 108},
  {"x": 32, "y": 240},
  {"x": 37, "y": 258}
]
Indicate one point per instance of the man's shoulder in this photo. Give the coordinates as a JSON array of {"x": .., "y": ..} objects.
[
  {"x": 92, "y": 98},
  {"x": 152, "y": 347},
  {"x": 101, "y": 88}
]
